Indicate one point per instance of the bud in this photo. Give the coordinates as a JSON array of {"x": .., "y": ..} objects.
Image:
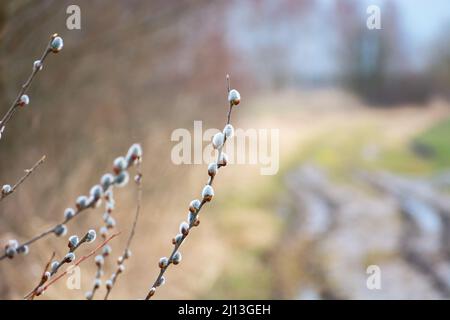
[
  {"x": 10, "y": 252},
  {"x": 176, "y": 259},
  {"x": 110, "y": 205},
  {"x": 119, "y": 165},
  {"x": 191, "y": 218},
  {"x": 110, "y": 222},
  {"x": 218, "y": 140},
  {"x": 69, "y": 257},
  {"x": 99, "y": 260},
  {"x": 212, "y": 169},
  {"x": 122, "y": 179},
  {"x": 161, "y": 281},
  {"x": 73, "y": 241},
  {"x": 23, "y": 101},
  {"x": 60, "y": 230},
  {"x": 234, "y": 97},
  {"x": 69, "y": 213},
  {"x": 96, "y": 192},
  {"x": 6, "y": 189},
  {"x": 37, "y": 65},
  {"x": 228, "y": 131},
  {"x": 223, "y": 159},
  {"x": 39, "y": 290},
  {"x": 194, "y": 206},
  {"x": 103, "y": 232},
  {"x": 11, "y": 248},
  {"x": 97, "y": 283},
  {"x": 127, "y": 254},
  {"x": 57, "y": 44},
  {"x": 109, "y": 284},
  {"x": 23, "y": 250},
  {"x": 46, "y": 276},
  {"x": 90, "y": 236},
  {"x": 207, "y": 193},
  {"x": 54, "y": 266},
  {"x": 89, "y": 295},
  {"x": 121, "y": 268},
  {"x": 106, "y": 250},
  {"x": 184, "y": 228},
  {"x": 134, "y": 153},
  {"x": 177, "y": 239},
  {"x": 106, "y": 181},
  {"x": 152, "y": 292},
  {"x": 163, "y": 262},
  {"x": 82, "y": 202}
]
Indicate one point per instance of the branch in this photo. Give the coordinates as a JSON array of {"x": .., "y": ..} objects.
[
  {"x": 120, "y": 178},
  {"x": 54, "y": 45},
  {"x": 218, "y": 142},
  {"x": 126, "y": 252},
  {"x": 44, "y": 278},
  {"x": 7, "y": 189},
  {"x": 42, "y": 288}
]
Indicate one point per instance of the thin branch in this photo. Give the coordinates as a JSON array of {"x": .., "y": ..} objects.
[
  {"x": 42, "y": 280},
  {"x": 194, "y": 222},
  {"x": 16, "y": 103},
  {"x": 121, "y": 177},
  {"x": 28, "y": 172},
  {"x": 126, "y": 252},
  {"x": 42, "y": 288}
]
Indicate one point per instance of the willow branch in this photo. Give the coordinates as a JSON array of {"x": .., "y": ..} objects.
[
  {"x": 28, "y": 172},
  {"x": 126, "y": 252},
  {"x": 43, "y": 287},
  {"x": 24, "y": 88},
  {"x": 194, "y": 222}
]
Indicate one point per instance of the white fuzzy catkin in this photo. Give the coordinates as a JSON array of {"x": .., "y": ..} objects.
[
  {"x": 218, "y": 140},
  {"x": 228, "y": 131},
  {"x": 57, "y": 44},
  {"x": 234, "y": 97},
  {"x": 207, "y": 193}
]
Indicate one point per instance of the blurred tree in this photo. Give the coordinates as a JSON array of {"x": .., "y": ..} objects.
[{"x": 374, "y": 62}]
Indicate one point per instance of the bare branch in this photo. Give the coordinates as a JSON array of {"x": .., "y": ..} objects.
[{"x": 28, "y": 172}]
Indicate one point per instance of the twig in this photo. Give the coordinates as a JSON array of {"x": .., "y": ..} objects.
[
  {"x": 42, "y": 288},
  {"x": 44, "y": 278},
  {"x": 207, "y": 194},
  {"x": 28, "y": 172},
  {"x": 120, "y": 178},
  {"x": 51, "y": 47},
  {"x": 127, "y": 252},
  {"x": 134, "y": 156}
]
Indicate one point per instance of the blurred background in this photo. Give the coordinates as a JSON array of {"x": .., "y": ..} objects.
[{"x": 364, "y": 120}]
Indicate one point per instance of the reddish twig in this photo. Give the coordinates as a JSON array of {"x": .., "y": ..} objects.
[{"x": 42, "y": 288}]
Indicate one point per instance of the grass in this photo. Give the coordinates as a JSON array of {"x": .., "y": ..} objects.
[
  {"x": 437, "y": 138},
  {"x": 248, "y": 218}
]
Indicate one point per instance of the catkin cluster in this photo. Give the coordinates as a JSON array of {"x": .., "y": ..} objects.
[
  {"x": 207, "y": 194},
  {"x": 118, "y": 178},
  {"x": 74, "y": 243},
  {"x": 133, "y": 157},
  {"x": 55, "y": 45}
]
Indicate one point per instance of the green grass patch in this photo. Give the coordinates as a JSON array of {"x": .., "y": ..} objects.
[{"x": 437, "y": 138}]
